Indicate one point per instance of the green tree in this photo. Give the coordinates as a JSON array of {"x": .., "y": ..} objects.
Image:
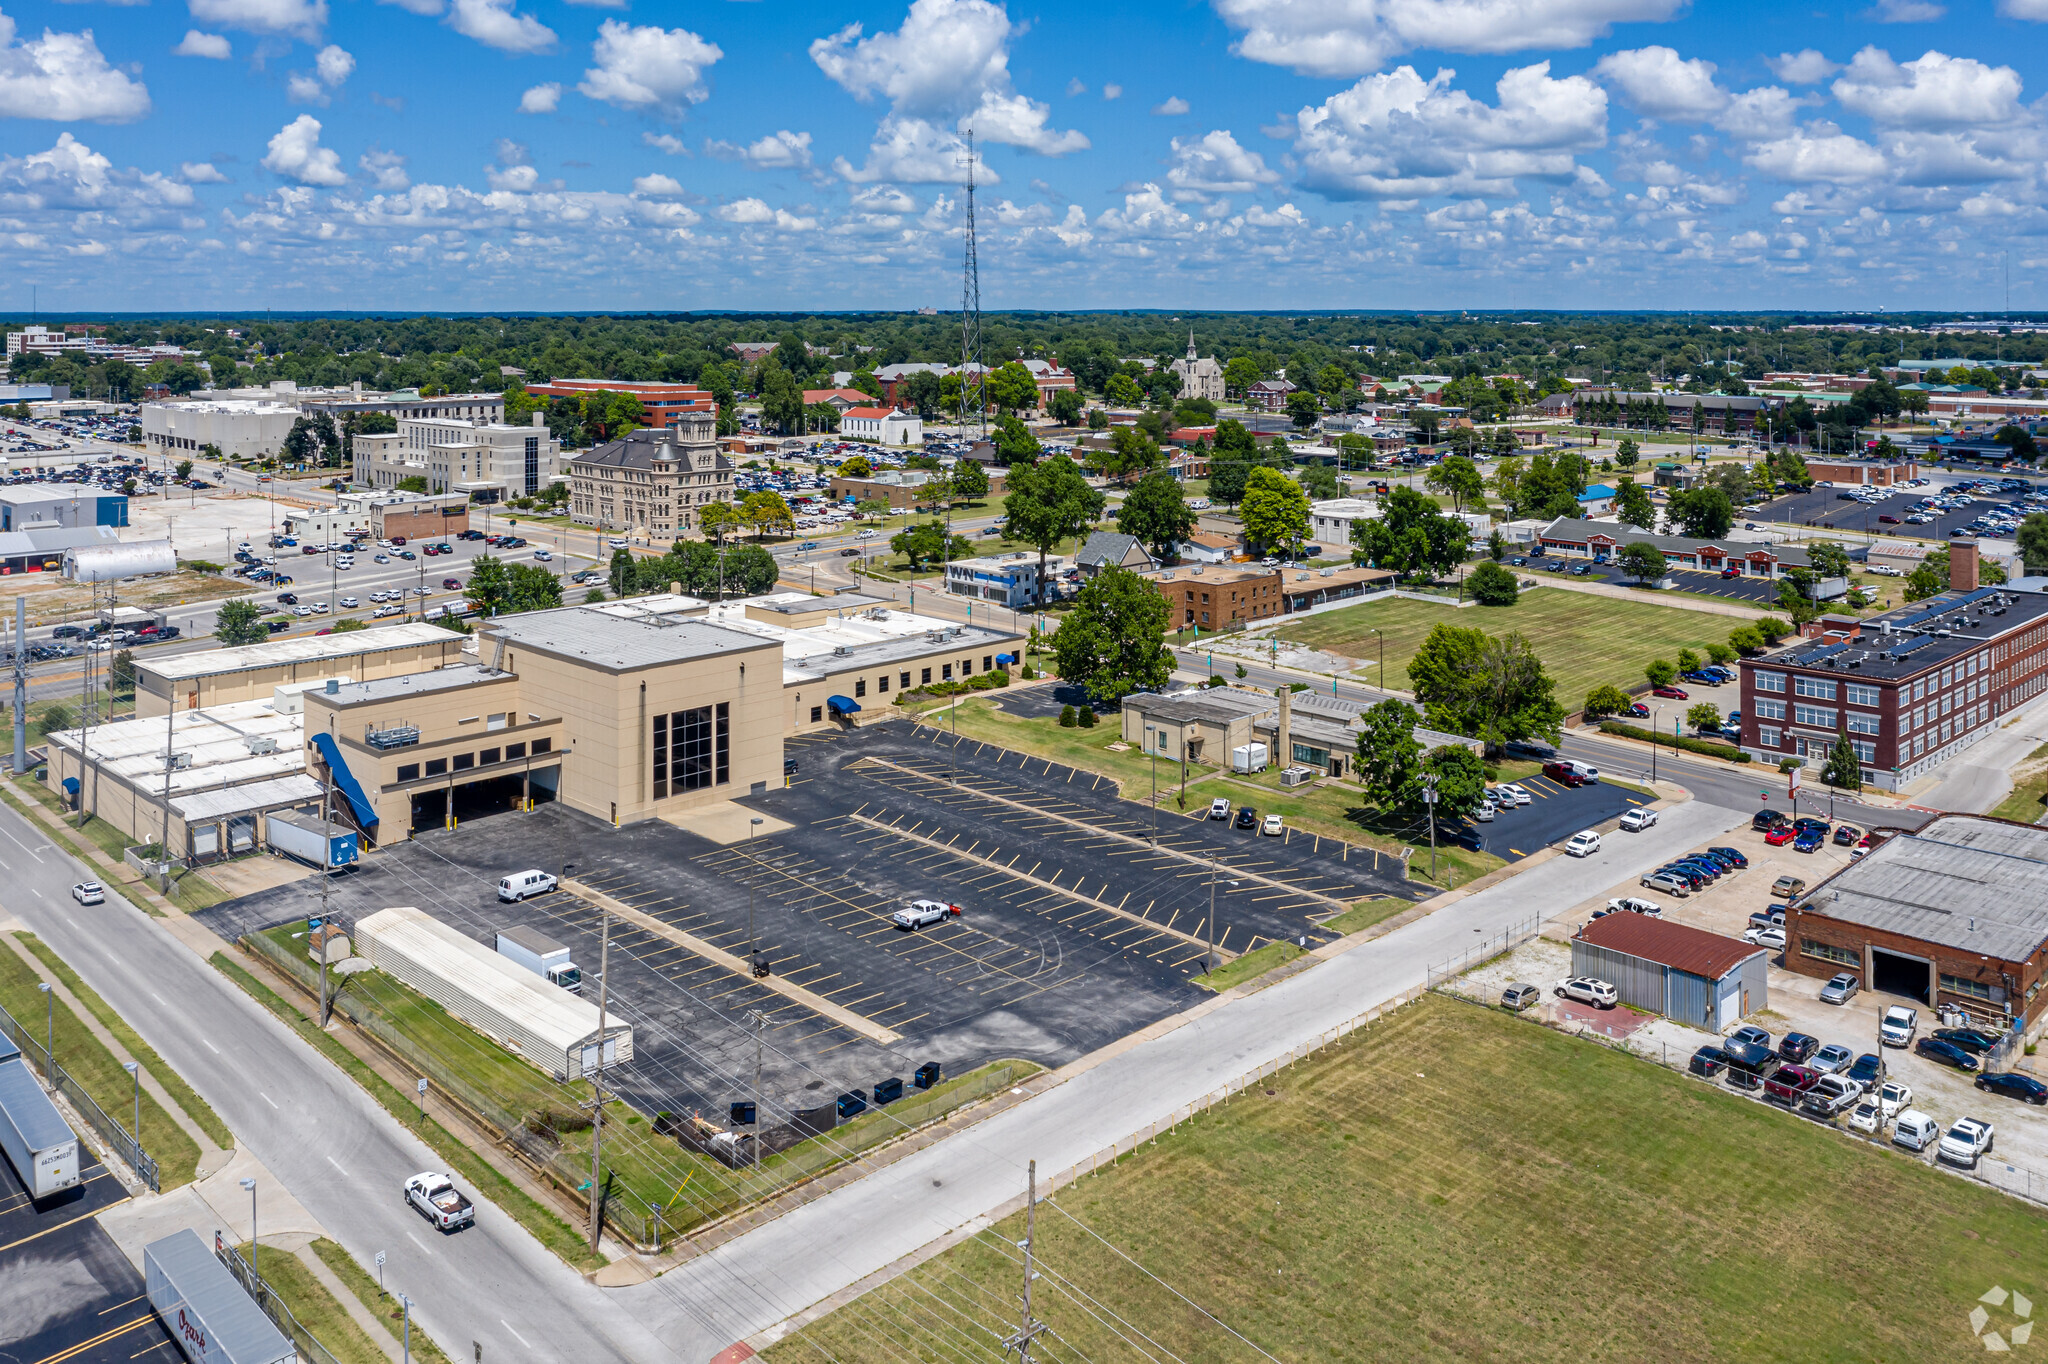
[
  {"x": 1131, "y": 453},
  {"x": 1771, "y": 628},
  {"x": 1492, "y": 688},
  {"x": 1234, "y": 441},
  {"x": 923, "y": 392},
  {"x": 490, "y": 585},
  {"x": 856, "y": 466},
  {"x": 1720, "y": 653},
  {"x": 1304, "y": 409},
  {"x": 1660, "y": 672},
  {"x": 1275, "y": 511},
  {"x": 1634, "y": 507},
  {"x": 1607, "y": 699},
  {"x": 623, "y": 573},
  {"x": 1239, "y": 374},
  {"x": 1227, "y": 479},
  {"x": 1012, "y": 389},
  {"x": 782, "y": 399},
  {"x": 1113, "y": 640},
  {"x": 1049, "y": 502},
  {"x": 1844, "y": 771},
  {"x": 1065, "y": 406},
  {"x": 1705, "y": 513},
  {"x": 342, "y": 627},
  {"x": 1123, "y": 391},
  {"x": 968, "y": 480},
  {"x": 1746, "y": 640},
  {"x": 1703, "y": 715},
  {"x": 749, "y": 570},
  {"x": 1496, "y": 545},
  {"x": 1460, "y": 782},
  {"x": 1688, "y": 661},
  {"x": 2032, "y": 540},
  {"x": 927, "y": 543},
  {"x": 1321, "y": 483},
  {"x": 1626, "y": 453},
  {"x": 1157, "y": 514},
  {"x": 1829, "y": 559},
  {"x": 121, "y": 675},
  {"x": 1014, "y": 442},
  {"x": 1388, "y": 755},
  {"x": 1641, "y": 560},
  {"x": 240, "y": 622},
  {"x": 767, "y": 511},
  {"x": 185, "y": 469},
  {"x": 532, "y": 588},
  {"x": 1493, "y": 585},
  {"x": 412, "y": 483},
  {"x": 1411, "y": 535},
  {"x": 718, "y": 518},
  {"x": 1457, "y": 477},
  {"x": 1795, "y": 596}
]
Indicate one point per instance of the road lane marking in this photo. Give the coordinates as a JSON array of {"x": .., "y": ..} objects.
[
  {"x": 418, "y": 1242},
  {"x": 267, "y": 1099},
  {"x": 21, "y": 845},
  {"x": 210, "y": 1047},
  {"x": 515, "y": 1335},
  {"x": 158, "y": 998},
  {"x": 335, "y": 1163}
]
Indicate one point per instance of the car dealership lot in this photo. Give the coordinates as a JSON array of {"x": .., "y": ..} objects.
[{"x": 1076, "y": 930}]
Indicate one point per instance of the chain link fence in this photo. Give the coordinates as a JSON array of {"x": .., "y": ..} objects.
[
  {"x": 121, "y": 1141},
  {"x": 311, "y": 1351}
]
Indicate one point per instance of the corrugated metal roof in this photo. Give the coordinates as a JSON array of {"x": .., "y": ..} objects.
[
  {"x": 183, "y": 1274},
  {"x": 1965, "y": 882},
  {"x": 311, "y": 649},
  {"x": 242, "y": 800},
  {"x": 1676, "y": 946}
]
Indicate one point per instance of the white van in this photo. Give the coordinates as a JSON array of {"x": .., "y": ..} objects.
[
  {"x": 1915, "y": 1131},
  {"x": 521, "y": 884},
  {"x": 1586, "y": 771}
]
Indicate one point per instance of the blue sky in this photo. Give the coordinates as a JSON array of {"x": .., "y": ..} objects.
[{"x": 526, "y": 154}]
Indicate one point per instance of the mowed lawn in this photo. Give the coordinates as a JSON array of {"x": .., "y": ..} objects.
[
  {"x": 1582, "y": 639},
  {"x": 1454, "y": 1184}
]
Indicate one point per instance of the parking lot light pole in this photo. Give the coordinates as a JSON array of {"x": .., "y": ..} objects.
[
  {"x": 50, "y": 1036},
  {"x": 135, "y": 1073},
  {"x": 753, "y": 945},
  {"x": 250, "y": 1185}
]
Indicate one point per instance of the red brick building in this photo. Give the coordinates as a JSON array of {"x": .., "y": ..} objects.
[
  {"x": 1209, "y": 597},
  {"x": 1910, "y": 688},
  {"x": 1953, "y": 915},
  {"x": 666, "y": 404}
]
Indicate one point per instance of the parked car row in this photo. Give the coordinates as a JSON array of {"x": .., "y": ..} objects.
[
  {"x": 1247, "y": 817},
  {"x": 1695, "y": 871}
]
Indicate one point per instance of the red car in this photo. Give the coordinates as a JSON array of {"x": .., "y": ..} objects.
[
  {"x": 1790, "y": 1084},
  {"x": 452, "y": 584},
  {"x": 1731, "y": 572},
  {"x": 1669, "y": 693},
  {"x": 431, "y": 550},
  {"x": 1563, "y": 774},
  {"x": 1781, "y": 835},
  {"x": 1888, "y": 520}
]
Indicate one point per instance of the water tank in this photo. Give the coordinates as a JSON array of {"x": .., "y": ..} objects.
[{"x": 109, "y": 563}]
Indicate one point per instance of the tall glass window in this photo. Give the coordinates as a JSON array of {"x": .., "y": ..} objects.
[{"x": 692, "y": 749}]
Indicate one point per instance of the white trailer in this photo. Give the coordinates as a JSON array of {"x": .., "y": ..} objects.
[
  {"x": 304, "y": 836},
  {"x": 209, "y": 1314},
  {"x": 542, "y": 955},
  {"x": 508, "y": 1004},
  {"x": 39, "y": 1143},
  {"x": 1248, "y": 758}
]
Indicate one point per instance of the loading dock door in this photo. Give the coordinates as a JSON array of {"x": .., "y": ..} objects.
[
  {"x": 1895, "y": 973},
  {"x": 205, "y": 840},
  {"x": 241, "y": 834}
]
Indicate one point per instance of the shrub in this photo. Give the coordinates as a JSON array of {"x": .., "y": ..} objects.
[
  {"x": 1241, "y": 672},
  {"x": 1216, "y": 680},
  {"x": 1067, "y": 720},
  {"x": 1030, "y": 673},
  {"x": 1087, "y": 717},
  {"x": 1787, "y": 764},
  {"x": 1700, "y": 746}
]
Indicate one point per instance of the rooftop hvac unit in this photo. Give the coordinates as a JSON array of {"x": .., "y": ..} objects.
[
  {"x": 180, "y": 761},
  {"x": 1329, "y": 573},
  {"x": 397, "y": 736},
  {"x": 1198, "y": 570},
  {"x": 260, "y": 745},
  {"x": 840, "y": 651}
]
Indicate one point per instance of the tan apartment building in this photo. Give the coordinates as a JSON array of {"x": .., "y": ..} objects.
[
  {"x": 253, "y": 672},
  {"x": 621, "y": 717},
  {"x": 653, "y": 481},
  {"x": 1213, "y": 596}
]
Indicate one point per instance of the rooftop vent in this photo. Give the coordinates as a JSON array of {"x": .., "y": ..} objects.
[{"x": 840, "y": 651}]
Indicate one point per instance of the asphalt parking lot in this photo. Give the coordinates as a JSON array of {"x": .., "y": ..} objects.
[
  {"x": 1756, "y": 591},
  {"x": 1824, "y": 509},
  {"x": 1076, "y": 929},
  {"x": 1553, "y": 814},
  {"x": 66, "y": 1290}
]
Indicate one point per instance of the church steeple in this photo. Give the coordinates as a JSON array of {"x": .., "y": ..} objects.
[{"x": 1191, "y": 345}]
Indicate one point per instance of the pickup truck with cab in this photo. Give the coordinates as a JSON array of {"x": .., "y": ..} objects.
[{"x": 435, "y": 1197}]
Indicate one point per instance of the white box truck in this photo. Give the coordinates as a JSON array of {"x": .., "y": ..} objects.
[
  {"x": 1248, "y": 758},
  {"x": 542, "y": 955},
  {"x": 39, "y": 1143}
]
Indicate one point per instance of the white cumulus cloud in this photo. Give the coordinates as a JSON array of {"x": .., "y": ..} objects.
[
  {"x": 493, "y": 23},
  {"x": 756, "y": 213},
  {"x": 333, "y": 65},
  {"x": 296, "y": 154},
  {"x": 1933, "y": 91},
  {"x": 201, "y": 173},
  {"x": 1818, "y": 154},
  {"x": 1397, "y": 136},
  {"x": 649, "y": 69},
  {"x": 1658, "y": 82},
  {"x": 1172, "y": 105},
  {"x": 1215, "y": 164},
  {"x": 197, "y": 44},
  {"x": 541, "y": 99},
  {"x": 1805, "y": 67},
  {"x": 657, "y": 184},
  {"x": 295, "y": 18},
  {"x": 1351, "y": 37},
  {"x": 782, "y": 150},
  {"x": 385, "y": 169},
  {"x": 1905, "y": 12},
  {"x": 912, "y": 151},
  {"x": 63, "y": 76}
]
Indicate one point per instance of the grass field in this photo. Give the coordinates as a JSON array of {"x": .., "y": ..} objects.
[
  {"x": 1583, "y": 640},
  {"x": 87, "y": 1061},
  {"x": 315, "y": 1309},
  {"x": 1454, "y": 1184},
  {"x": 2029, "y": 796}
]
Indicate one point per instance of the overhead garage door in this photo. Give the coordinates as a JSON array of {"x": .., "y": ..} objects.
[{"x": 1895, "y": 973}]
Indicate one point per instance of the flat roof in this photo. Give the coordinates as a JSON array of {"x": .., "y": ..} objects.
[
  {"x": 1965, "y": 882},
  {"x": 803, "y": 603},
  {"x": 866, "y": 634},
  {"x": 1925, "y": 634},
  {"x": 621, "y": 644},
  {"x": 213, "y": 743},
  {"x": 1208, "y": 573},
  {"x": 296, "y": 789},
  {"x": 1220, "y": 704},
  {"x": 450, "y": 678},
  {"x": 1677, "y": 946},
  {"x": 309, "y": 649}
]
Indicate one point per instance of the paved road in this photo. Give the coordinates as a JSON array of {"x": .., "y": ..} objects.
[
  {"x": 342, "y": 1157},
  {"x": 761, "y": 1278}
]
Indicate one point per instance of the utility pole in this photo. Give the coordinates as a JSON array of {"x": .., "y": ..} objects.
[
  {"x": 759, "y": 1020},
  {"x": 20, "y": 685},
  {"x": 604, "y": 957},
  {"x": 1027, "y": 1329},
  {"x": 1429, "y": 799},
  {"x": 326, "y": 878},
  {"x": 753, "y": 943},
  {"x": 163, "y": 838}
]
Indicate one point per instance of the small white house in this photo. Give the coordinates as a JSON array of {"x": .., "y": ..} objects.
[
  {"x": 882, "y": 425},
  {"x": 1330, "y": 521}
]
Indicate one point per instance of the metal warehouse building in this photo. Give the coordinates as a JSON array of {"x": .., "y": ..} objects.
[{"x": 1683, "y": 973}]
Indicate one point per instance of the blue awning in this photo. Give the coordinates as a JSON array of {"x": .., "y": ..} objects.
[
  {"x": 842, "y": 705},
  {"x": 345, "y": 781},
  {"x": 1006, "y": 658}
]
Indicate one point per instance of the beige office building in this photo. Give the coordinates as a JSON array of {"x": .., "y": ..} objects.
[{"x": 253, "y": 672}]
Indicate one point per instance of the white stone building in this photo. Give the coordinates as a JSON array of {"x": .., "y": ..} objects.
[
  {"x": 1199, "y": 378},
  {"x": 1330, "y": 521},
  {"x": 654, "y": 482},
  {"x": 882, "y": 426},
  {"x": 243, "y": 428},
  {"x": 491, "y": 461}
]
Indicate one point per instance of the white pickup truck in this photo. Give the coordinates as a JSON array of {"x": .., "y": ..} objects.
[{"x": 436, "y": 1198}]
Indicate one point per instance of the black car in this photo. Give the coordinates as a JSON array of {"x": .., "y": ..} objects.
[
  {"x": 1946, "y": 1053},
  {"x": 287, "y": 599},
  {"x": 1708, "y": 1061},
  {"x": 1797, "y": 1046},
  {"x": 1247, "y": 818},
  {"x": 1847, "y": 834},
  {"x": 1868, "y": 1069},
  {"x": 1767, "y": 820},
  {"x": 1733, "y": 857},
  {"x": 2025, "y": 1088},
  {"x": 1969, "y": 1039},
  {"x": 1747, "y": 1063},
  {"x": 277, "y": 626},
  {"x": 1809, "y": 824},
  {"x": 789, "y": 767}
]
